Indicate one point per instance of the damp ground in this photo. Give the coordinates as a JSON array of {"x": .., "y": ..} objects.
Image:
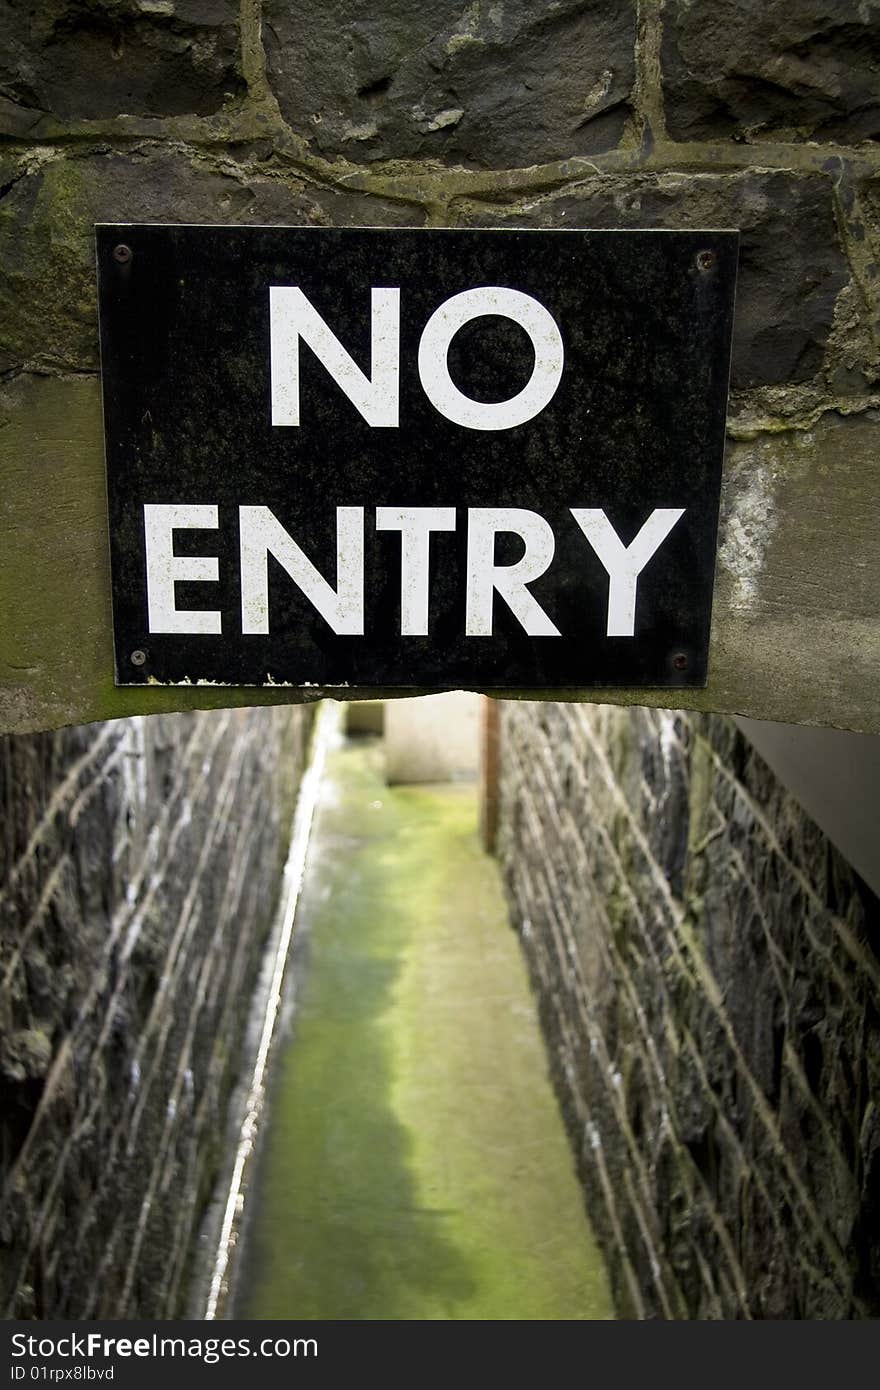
[{"x": 414, "y": 1163}]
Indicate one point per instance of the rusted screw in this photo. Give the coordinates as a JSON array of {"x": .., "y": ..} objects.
[
  {"x": 122, "y": 253},
  {"x": 679, "y": 661},
  {"x": 705, "y": 260},
  {"x": 138, "y": 657}
]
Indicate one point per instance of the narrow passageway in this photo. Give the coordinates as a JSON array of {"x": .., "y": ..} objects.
[{"x": 414, "y": 1162}]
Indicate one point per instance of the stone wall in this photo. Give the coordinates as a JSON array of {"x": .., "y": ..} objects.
[
  {"x": 139, "y": 871},
  {"x": 757, "y": 114},
  {"x": 707, "y": 970},
  {"x": 725, "y": 978}
]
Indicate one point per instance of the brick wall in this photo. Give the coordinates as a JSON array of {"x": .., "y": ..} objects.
[
  {"x": 707, "y": 970},
  {"x": 139, "y": 871}
]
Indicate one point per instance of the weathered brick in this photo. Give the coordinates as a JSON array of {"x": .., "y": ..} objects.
[
  {"x": 139, "y": 868},
  {"x": 707, "y": 985}
]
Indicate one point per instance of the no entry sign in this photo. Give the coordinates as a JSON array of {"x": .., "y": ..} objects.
[{"x": 413, "y": 457}]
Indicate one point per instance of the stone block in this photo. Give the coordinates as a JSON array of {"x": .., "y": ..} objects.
[
  {"x": 786, "y": 69},
  {"x": 80, "y": 61},
  {"x": 497, "y": 85}
]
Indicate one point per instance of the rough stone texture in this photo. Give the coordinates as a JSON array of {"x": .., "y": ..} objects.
[
  {"x": 142, "y": 57},
  {"x": 791, "y": 269},
  {"x": 707, "y": 970},
  {"x": 139, "y": 871},
  {"x": 870, "y": 202},
  {"x": 703, "y": 958},
  {"x": 579, "y": 112},
  {"x": 494, "y": 85},
  {"x": 48, "y": 303},
  {"x": 788, "y": 69},
  {"x": 790, "y": 594}
]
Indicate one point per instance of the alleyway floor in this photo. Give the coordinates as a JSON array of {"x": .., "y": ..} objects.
[{"x": 414, "y": 1163}]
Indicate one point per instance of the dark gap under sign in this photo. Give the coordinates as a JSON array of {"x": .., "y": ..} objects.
[{"x": 421, "y": 458}]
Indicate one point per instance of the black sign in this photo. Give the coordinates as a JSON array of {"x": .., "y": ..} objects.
[{"x": 413, "y": 458}]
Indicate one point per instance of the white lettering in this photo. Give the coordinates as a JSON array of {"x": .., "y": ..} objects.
[
  {"x": 484, "y": 576},
  {"x": 261, "y": 535},
  {"x": 624, "y": 563},
  {"x": 442, "y": 327},
  {"x": 415, "y": 525},
  {"x": 165, "y": 569},
  {"x": 292, "y": 316}
]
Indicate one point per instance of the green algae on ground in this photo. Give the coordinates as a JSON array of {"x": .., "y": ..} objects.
[{"x": 415, "y": 1164}]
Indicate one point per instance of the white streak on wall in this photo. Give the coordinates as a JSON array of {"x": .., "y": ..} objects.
[{"x": 327, "y": 723}]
